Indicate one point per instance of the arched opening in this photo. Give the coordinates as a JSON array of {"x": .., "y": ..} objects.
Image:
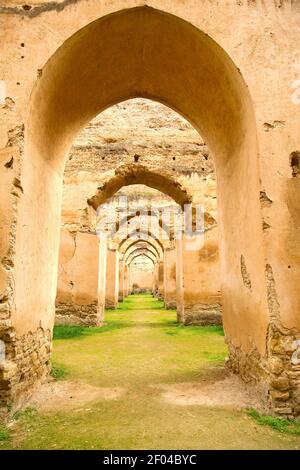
[{"x": 111, "y": 60}]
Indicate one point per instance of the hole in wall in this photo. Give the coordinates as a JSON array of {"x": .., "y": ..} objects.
[{"x": 295, "y": 164}]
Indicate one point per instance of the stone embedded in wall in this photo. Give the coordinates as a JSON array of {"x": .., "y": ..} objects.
[
  {"x": 284, "y": 368},
  {"x": 26, "y": 365},
  {"x": 276, "y": 376}
]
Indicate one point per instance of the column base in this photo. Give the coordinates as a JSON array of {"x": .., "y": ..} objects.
[
  {"x": 81, "y": 315},
  {"x": 276, "y": 377},
  {"x": 26, "y": 365},
  {"x": 203, "y": 314}
]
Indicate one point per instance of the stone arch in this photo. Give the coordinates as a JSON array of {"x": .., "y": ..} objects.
[
  {"x": 143, "y": 52},
  {"x": 151, "y": 241},
  {"x": 123, "y": 222},
  {"x": 141, "y": 254},
  {"x": 141, "y": 251},
  {"x": 127, "y": 175},
  {"x": 141, "y": 245},
  {"x": 164, "y": 233},
  {"x": 139, "y": 236}
]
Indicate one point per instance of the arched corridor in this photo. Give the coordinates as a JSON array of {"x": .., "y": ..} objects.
[{"x": 145, "y": 159}]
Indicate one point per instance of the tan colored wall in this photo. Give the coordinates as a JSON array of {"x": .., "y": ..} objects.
[
  {"x": 102, "y": 262},
  {"x": 161, "y": 289},
  {"x": 121, "y": 279},
  {"x": 170, "y": 278},
  {"x": 112, "y": 279},
  {"x": 77, "y": 288},
  {"x": 201, "y": 278},
  {"x": 260, "y": 242},
  {"x": 142, "y": 281}
]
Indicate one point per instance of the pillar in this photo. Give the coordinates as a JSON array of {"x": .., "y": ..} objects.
[
  {"x": 129, "y": 279},
  {"x": 179, "y": 282},
  {"x": 155, "y": 280},
  {"x": 121, "y": 279},
  {"x": 202, "y": 285},
  {"x": 112, "y": 279},
  {"x": 170, "y": 278},
  {"x": 102, "y": 277},
  {"x": 77, "y": 283},
  {"x": 125, "y": 280},
  {"x": 161, "y": 290}
]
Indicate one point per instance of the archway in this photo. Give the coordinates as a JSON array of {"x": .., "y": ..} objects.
[
  {"x": 140, "y": 250},
  {"x": 151, "y": 242},
  {"x": 148, "y": 53},
  {"x": 139, "y": 174}
]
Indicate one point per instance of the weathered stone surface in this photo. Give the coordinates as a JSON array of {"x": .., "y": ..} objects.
[{"x": 231, "y": 95}]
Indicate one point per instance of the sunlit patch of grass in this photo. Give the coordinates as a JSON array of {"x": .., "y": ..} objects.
[
  {"x": 142, "y": 351},
  {"x": 140, "y": 302},
  {"x": 198, "y": 330},
  {"x": 282, "y": 425},
  {"x": 73, "y": 331},
  {"x": 27, "y": 413},
  {"x": 214, "y": 357}
]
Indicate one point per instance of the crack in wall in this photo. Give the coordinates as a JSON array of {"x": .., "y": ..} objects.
[
  {"x": 245, "y": 274},
  {"x": 273, "y": 302},
  {"x": 32, "y": 12}
]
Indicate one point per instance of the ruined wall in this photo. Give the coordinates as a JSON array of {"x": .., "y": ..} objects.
[
  {"x": 77, "y": 290},
  {"x": 202, "y": 284},
  {"x": 262, "y": 41},
  {"x": 141, "y": 276},
  {"x": 112, "y": 279},
  {"x": 170, "y": 278},
  {"x": 142, "y": 134}
]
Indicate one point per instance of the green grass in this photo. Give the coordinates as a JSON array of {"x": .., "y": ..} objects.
[
  {"x": 198, "y": 330},
  {"x": 279, "y": 424},
  {"x": 72, "y": 331},
  {"x": 143, "y": 353},
  {"x": 4, "y": 433},
  {"x": 26, "y": 414}
]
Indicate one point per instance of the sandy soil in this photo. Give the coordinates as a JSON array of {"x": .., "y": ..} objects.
[
  {"x": 65, "y": 394},
  {"x": 227, "y": 391}
]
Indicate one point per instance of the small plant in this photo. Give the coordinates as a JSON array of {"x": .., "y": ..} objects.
[
  {"x": 4, "y": 433},
  {"x": 27, "y": 413},
  {"x": 58, "y": 372},
  {"x": 286, "y": 426}
]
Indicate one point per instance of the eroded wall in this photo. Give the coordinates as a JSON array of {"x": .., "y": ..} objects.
[
  {"x": 262, "y": 41},
  {"x": 77, "y": 290}
]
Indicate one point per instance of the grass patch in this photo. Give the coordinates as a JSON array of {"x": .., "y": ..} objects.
[
  {"x": 214, "y": 357},
  {"x": 199, "y": 330},
  {"x": 282, "y": 425},
  {"x": 68, "y": 331},
  {"x": 27, "y": 413},
  {"x": 58, "y": 372},
  {"x": 4, "y": 433},
  {"x": 73, "y": 331}
]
